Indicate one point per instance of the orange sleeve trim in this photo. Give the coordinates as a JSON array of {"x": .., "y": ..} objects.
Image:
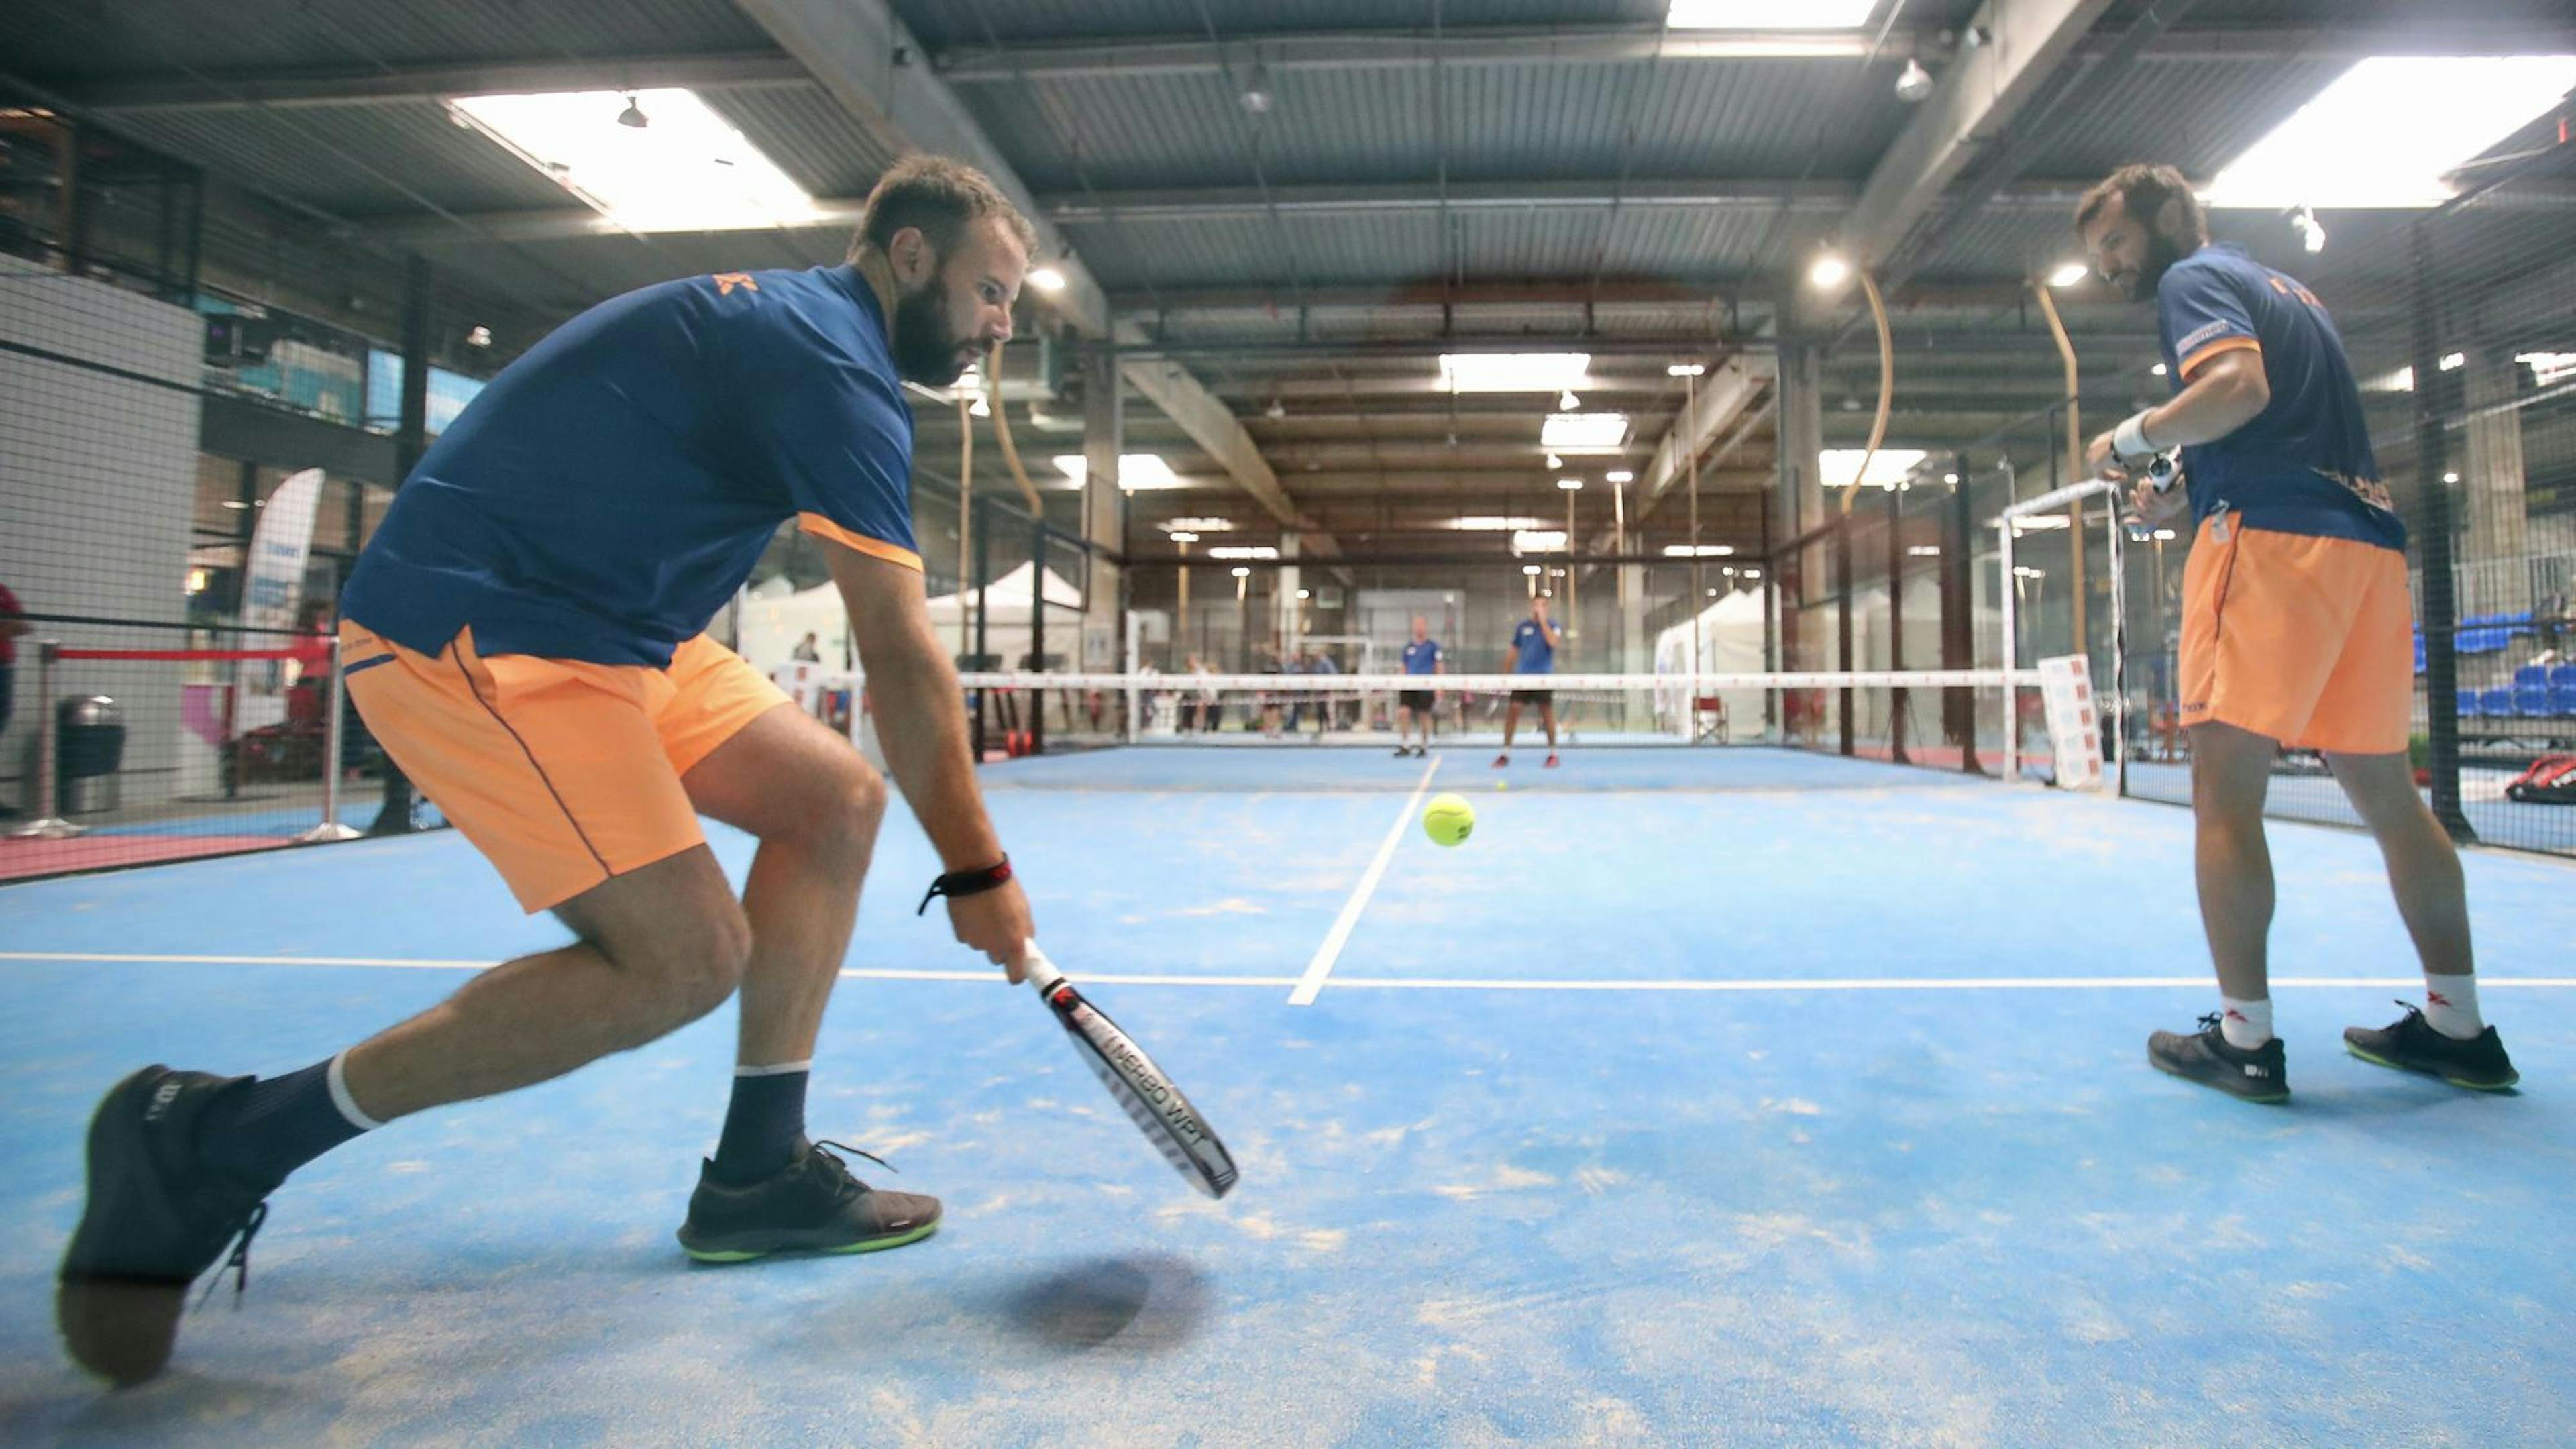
[
  {"x": 821, "y": 527},
  {"x": 2224, "y": 344}
]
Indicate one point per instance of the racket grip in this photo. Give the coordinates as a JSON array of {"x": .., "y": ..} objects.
[{"x": 1041, "y": 972}]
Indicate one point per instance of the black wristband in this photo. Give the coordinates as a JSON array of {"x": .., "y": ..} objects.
[{"x": 966, "y": 883}]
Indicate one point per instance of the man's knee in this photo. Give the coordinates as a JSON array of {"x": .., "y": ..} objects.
[{"x": 693, "y": 967}]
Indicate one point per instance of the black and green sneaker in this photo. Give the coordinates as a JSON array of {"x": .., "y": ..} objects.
[
  {"x": 2411, "y": 1044},
  {"x": 2259, "y": 1075},
  {"x": 811, "y": 1205},
  {"x": 157, "y": 1217}
]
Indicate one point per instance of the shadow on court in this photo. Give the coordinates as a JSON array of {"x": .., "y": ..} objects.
[{"x": 1139, "y": 1304}]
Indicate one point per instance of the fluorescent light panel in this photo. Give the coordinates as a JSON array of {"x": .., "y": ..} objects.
[
  {"x": 1704, "y": 550},
  {"x": 1137, "y": 472},
  {"x": 1485, "y": 523},
  {"x": 1539, "y": 540},
  {"x": 1241, "y": 551},
  {"x": 1836, "y": 466},
  {"x": 1514, "y": 371},
  {"x": 689, "y": 170},
  {"x": 1198, "y": 525},
  {"x": 2390, "y": 131},
  {"x": 1584, "y": 432}
]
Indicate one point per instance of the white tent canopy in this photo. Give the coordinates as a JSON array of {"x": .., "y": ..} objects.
[{"x": 774, "y": 619}]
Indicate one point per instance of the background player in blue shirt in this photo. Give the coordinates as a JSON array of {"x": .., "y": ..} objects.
[
  {"x": 1533, "y": 652},
  {"x": 2297, "y": 628},
  {"x": 525, "y": 637},
  {"x": 1421, "y": 659}
]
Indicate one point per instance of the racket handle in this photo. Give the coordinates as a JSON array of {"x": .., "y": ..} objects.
[{"x": 1042, "y": 973}]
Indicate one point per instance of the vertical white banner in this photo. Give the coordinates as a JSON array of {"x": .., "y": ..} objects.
[
  {"x": 272, "y": 588},
  {"x": 2074, "y": 721}
]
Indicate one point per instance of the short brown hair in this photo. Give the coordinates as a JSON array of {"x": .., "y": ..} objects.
[
  {"x": 2143, "y": 191},
  {"x": 940, "y": 198}
]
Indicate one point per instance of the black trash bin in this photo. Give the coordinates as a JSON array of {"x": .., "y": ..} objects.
[{"x": 89, "y": 736}]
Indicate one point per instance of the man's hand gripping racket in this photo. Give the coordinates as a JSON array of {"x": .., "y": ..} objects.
[
  {"x": 1148, "y": 1093},
  {"x": 2155, "y": 499}
]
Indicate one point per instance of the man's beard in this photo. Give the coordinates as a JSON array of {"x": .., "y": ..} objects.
[
  {"x": 2162, "y": 253},
  {"x": 924, "y": 352}
]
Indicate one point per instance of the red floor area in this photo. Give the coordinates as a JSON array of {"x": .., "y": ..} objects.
[{"x": 22, "y": 859}]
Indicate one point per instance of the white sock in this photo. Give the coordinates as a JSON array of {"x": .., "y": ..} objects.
[
  {"x": 2451, "y": 1006},
  {"x": 2245, "y": 1024}
]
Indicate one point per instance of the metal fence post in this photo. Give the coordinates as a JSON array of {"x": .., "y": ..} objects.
[{"x": 331, "y": 828}]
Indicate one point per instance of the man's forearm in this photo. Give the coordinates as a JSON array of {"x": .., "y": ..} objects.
[
  {"x": 2215, "y": 405},
  {"x": 921, "y": 721}
]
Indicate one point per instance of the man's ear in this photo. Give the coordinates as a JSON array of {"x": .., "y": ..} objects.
[{"x": 2169, "y": 219}]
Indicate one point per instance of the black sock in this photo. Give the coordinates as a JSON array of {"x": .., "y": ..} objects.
[
  {"x": 262, "y": 1132},
  {"x": 765, "y": 1123}
]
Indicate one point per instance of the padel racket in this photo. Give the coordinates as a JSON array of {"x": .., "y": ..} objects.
[{"x": 1148, "y": 1093}]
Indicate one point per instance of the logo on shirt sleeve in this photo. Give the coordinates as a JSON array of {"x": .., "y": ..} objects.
[
  {"x": 2210, "y": 333},
  {"x": 727, "y": 281}
]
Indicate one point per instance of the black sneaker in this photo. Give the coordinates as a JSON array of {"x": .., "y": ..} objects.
[
  {"x": 2410, "y": 1044},
  {"x": 157, "y": 1216},
  {"x": 811, "y": 1205},
  {"x": 2205, "y": 1057},
  {"x": 1402, "y": 751}
]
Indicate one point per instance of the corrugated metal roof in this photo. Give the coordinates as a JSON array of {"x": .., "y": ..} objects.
[
  {"x": 2198, "y": 116},
  {"x": 1724, "y": 119},
  {"x": 357, "y": 160},
  {"x": 65, "y": 41},
  {"x": 808, "y": 134}
]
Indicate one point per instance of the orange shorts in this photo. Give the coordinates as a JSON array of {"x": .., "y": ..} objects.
[
  {"x": 563, "y": 774},
  {"x": 2307, "y": 640}
]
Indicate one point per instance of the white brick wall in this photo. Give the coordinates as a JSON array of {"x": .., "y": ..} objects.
[{"x": 97, "y": 477}]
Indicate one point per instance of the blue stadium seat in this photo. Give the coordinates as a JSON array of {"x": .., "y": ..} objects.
[
  {"x": 2531, "y": 701},
  {"x": 2468, "y": 704},
  {"x": 2530, "y": 674},
  {"x": 2562, "y": 699},
  {"x": 2562, "y": 675},
  {"x": 2496, "y": 703}
]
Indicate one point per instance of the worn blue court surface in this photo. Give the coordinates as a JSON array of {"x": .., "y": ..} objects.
[{"x": 1701, "y": 1097}]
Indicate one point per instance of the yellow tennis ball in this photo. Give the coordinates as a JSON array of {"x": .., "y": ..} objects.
[{"x": 1448, "y": 819}]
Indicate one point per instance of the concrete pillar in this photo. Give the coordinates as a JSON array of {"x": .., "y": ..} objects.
[
  {"x": 1104, "y": 513},
  {"x": 2491, "y": 477},
  {"x": 1802, "y": 437},
  {"x": 1287, "y": 611}
]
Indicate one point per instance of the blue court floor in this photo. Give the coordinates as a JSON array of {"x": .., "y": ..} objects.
[{"x": 1725, "y": 1097}]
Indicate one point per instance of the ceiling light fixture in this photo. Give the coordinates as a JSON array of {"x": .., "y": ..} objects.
[
  {"x": 2069, "y": 274},
  {"x": 1514, "y": 371},
  {"x": 1047, "y": 279},
  {"x": 1829, "y": 271}
]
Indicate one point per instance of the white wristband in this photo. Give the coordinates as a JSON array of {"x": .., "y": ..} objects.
[{"x": 2129, "y": 440}]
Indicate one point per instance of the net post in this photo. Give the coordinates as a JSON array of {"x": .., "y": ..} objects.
[
  {"x": 2005, "y": 596},
  {"x": 47, "y": 825},
  {"x": 2119, "y": 713},
  {"x": 2440, "y": 604},
  {"x": 332, "y": 745}
]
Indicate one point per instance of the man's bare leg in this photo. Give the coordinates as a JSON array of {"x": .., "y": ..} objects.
[
  {"x": 2423, "y": 865},
  {"x": 659, "y": 947},
  {"x": 2231, "y": 771},
  {"x": 815, "y": 807}
]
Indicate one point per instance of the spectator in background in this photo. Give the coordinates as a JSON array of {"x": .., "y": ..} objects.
[
  {"x": 1328, "y": 707},
  {"x": 808, "y": 650},
  {"x": 12, "y": 624}
]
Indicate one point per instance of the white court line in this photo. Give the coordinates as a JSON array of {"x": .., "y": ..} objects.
[
  {"x": 390, "y": 963},
  {"x": 1418, "y": 983},
  {"x": 1322, "y": 966}
]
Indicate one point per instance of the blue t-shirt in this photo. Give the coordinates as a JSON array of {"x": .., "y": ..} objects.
[
  {"x": 2304, "y": 464},
  {"x": 1422, "y": 656},
  {"x": 1531, "y": 649},
  {"x": 605, "y": 496}
]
